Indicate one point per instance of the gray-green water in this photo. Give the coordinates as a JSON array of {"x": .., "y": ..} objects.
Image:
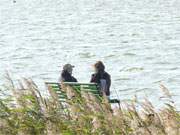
[{"x": 139, "y": 41}]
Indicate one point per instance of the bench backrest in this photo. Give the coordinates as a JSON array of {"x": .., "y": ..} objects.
[
  {"x": 56, "y": 88},
  {"x": 87, "y": 87}
]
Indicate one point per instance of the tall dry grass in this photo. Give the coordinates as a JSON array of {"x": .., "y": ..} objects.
[{"x": 27, "y": 112}]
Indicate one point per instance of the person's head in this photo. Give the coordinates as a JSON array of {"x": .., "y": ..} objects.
[
  {"x": 68, "y": 68},
  {"x": 99, "y": 67}
]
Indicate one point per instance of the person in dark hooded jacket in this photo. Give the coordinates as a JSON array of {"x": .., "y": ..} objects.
[
  {"x": 66, "y": 74},
  {"x": 102, "y": 78}
]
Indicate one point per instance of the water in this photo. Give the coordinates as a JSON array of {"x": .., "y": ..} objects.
[{"x": 138, "y": 41}]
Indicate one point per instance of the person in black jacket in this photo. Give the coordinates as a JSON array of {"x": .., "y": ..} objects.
[
  {"x": 102, "y": 78},
  {"x": 66, "y": 74}
]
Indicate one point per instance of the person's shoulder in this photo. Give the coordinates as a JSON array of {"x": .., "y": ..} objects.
[{"x": 107, "y": 74}]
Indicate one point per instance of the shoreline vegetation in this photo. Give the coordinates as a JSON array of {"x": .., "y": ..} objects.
[{"x": 27, "y": 112}]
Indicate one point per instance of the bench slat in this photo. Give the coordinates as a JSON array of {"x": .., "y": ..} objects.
[{"x": 86, "y": 87}]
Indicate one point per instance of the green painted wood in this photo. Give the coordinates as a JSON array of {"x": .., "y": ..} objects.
[{"x": 86, "y": 87}]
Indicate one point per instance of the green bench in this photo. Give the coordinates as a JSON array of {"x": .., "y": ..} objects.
[{"x": 87, "y": 87}]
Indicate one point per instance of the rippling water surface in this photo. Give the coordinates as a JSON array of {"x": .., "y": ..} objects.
[{"x": 139, "y": 41}]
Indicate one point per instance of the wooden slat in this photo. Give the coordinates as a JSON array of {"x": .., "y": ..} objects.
[{"x": 86, "y": 87}]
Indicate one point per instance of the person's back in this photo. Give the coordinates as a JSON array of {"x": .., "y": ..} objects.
[
  {"x": 66, "y": 74},
  {"x": 67, "y": 77},
  {"x": 102, "y": 78}
]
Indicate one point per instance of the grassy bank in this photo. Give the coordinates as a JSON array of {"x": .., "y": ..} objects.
[{"x": 27, "y": 112}]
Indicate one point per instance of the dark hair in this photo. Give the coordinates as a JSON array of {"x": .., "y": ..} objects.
[{"x": 99, "y": 66}]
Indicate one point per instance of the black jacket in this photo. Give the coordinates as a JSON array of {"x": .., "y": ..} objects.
[
  {"x": 67, "y": 77},
  {"x": 95, "y": 78}
]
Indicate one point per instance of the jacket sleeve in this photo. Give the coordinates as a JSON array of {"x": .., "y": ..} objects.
[
  {"x": 108, "y": 79},
  {"x": 74, "y": 79}
]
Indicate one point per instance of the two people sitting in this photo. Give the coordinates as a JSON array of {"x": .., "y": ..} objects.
[{"x": 101, "y": 77}]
